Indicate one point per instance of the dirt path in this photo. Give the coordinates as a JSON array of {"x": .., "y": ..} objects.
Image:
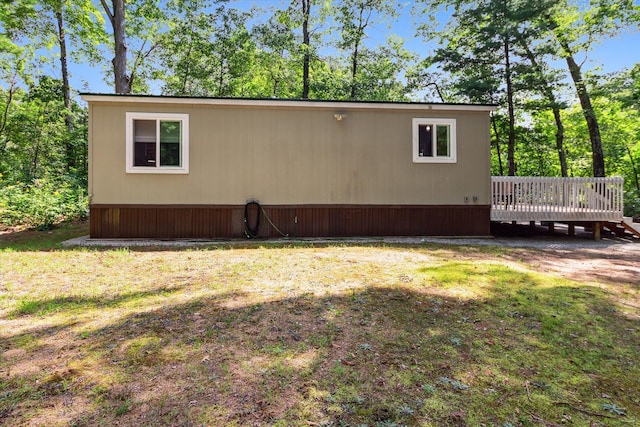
[{"x": 617, "y": 264}]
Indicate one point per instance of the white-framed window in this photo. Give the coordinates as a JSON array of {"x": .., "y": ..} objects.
[
  {"x": 157, "y": 143},
  {"x": 434, "y": 140}
]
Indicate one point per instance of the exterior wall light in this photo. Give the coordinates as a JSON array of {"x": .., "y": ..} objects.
[{"x": 340, "y": 116}]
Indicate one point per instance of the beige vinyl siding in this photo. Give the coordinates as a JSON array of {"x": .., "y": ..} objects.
[{"x": 292, "y": 156}]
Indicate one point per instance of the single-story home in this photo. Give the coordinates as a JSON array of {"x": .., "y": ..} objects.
[{"x": 184, "y": 167}]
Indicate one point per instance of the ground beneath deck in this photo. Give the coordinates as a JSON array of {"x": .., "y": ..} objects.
[{"x": 577, "y": 257}]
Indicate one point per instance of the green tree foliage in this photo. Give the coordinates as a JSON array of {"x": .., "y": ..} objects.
[
  {"x": 43, "y": 130},
  {"x": 374, "y": 72},
  {"x": 185, "y": 50},
  {"x": 480, "y": 49},
  {"x": 233, "y": 54},
  {"x": 541, "y": 78},
  {"x": 59, "y": 24},
  {"x": 207, "y": 53},
  {"x": 34, "y": 138},
  {"x": 575, "y": 28},
  {"x": 41, "y": 204},
  {"x": 488, "y": 51},
  {"x": 36, "y": 186},
  {"x": 14, "y": 16},
  {"x": 617, "y": 101},
  {"x": 623, "y": 86},
  {"x": 278, "y": 56},
  {"x": 382, "y": 70}
]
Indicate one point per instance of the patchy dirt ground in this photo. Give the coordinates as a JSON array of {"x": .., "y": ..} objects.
[
  {"x": 590, "y": 265},
  {"x": 8, "y": 232}
]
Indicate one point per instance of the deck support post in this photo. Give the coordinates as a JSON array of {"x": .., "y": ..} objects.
[
  {"x": 597, "y": 228},
  {"x": 552, "y": 226},
  {"x": 572, "y": 229}
]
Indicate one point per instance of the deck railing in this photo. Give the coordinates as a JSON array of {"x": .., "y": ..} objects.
[{"x": 556, "y": 199}]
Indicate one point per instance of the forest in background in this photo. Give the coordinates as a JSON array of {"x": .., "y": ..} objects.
[{"x": 556, "y": 117}]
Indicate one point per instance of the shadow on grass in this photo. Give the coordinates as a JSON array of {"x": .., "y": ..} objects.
[
  {"x": 45, "y": 240},
  {"x": 527, "y": 352},
  {"x": 42, "y": 307}
]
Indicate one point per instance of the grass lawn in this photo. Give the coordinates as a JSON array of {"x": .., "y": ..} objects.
[{"x": 334, "y": 335}]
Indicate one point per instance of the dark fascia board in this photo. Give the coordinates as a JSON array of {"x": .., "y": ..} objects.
[{"x": 279, "y": 102}]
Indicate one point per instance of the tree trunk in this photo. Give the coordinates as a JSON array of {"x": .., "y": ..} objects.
[
  {"x": 495, "y": 131},
  {"x": 185, "y": 77},
  {"x": 306, "y": 7},
  {"x": 117, "y": 18},
  {"x": 363, "y": 22},
  {"x": 66, "y": 89},
  {"x": 276, "y": 82},
  {"x": 221, "y": 87},
  {"x": 587, "y": 110},
  {"x": 435, "y": 85},
  {"x": 562, "y": 156},
  {"x": 354, "y": 69},
  {"x": 35, "y": 154},
  {"x": 511, "y": 146},
  {"x": 5, "y": 115}
]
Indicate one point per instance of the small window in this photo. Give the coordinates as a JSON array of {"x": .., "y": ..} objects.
[
  {"x": 434, "y": 140},
  {"x": 157, "y": 143}
]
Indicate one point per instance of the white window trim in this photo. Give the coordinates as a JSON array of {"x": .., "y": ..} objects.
[
  {"x": 184, "y": 118},
  {"x": 452, "y": 141}
]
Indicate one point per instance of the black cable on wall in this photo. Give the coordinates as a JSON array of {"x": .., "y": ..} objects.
[{"x": 252, "y": 231}]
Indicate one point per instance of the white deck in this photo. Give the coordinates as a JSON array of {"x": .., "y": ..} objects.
[{"x": 556, "y": 199}]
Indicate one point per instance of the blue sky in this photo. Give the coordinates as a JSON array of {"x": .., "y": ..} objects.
[{"x": 614, "y": 54}]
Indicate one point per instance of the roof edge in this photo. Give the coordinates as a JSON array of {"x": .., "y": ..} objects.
[{"x": 276, "y": 102}]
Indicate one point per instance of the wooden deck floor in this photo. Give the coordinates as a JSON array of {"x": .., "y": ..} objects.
[{"x": 527, "y": 212}]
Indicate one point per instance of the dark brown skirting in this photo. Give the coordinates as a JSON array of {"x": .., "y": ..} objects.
[{"x": 224, "y": 221}]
